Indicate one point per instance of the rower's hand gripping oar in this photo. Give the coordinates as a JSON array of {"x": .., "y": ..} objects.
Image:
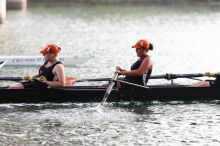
[{"x": 109, "y": 89}]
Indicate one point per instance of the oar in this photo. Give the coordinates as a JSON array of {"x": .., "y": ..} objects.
[
  {"x": 170, "y": 76},
  {"x": 195, "y": 79},
  {"x": 132, "y": 84},
  {"x": 166, "y": 76},
  {"x": 18, "y": 79},
  {"x": 95, "y": 80},
  {"x": 69, "y": 80},
  {"x": 109, "y": 89}
]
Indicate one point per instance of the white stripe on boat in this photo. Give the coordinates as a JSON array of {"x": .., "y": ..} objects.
[{"x": 39, "y": 60}]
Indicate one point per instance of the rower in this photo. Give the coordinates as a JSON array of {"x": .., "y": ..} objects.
[
  {"x": 52, "y": 71},
  {"x": 141, "y": 70},
  {"x": 209, "y": 83}
]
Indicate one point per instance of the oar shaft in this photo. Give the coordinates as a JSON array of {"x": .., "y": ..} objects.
[
  {"x": 132, "y": 84},
  {"x": 96, "y": 79},
  {"x": 11, "y": 78},
  {"x": 17, "y": 79},
  {"x": 91, "y": 80},
  {"x": 166, "y": 76},
  {"x": 188, "y": 75},
  {"x": 175, "y": 76}
]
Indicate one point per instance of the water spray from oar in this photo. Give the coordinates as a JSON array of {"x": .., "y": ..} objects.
[
  {"x": 109, "y": 89},
  {"x": 2, "y": 63}
]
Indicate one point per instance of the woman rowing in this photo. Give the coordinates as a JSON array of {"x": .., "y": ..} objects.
[
  {"x": 209, "y": 83},
  {"x": 141, "y": 70},
  {"x": 51, "y": 73}
]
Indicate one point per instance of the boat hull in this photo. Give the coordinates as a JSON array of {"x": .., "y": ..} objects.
[{"x": 93, "y": 94}]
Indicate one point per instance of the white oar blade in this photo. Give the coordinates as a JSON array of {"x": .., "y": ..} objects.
[{"x": 39, "y": 60}]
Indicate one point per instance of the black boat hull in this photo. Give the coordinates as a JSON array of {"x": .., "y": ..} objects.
[{"x": 95, "y": 94}]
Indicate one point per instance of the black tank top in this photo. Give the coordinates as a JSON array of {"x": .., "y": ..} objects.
[
  {"x": 48, "y": 71},
  {"x": 142, "y": 79}
]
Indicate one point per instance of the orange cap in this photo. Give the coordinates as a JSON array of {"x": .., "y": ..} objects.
[
  {"x": 51, "y": 48},
  {"x": 143, "y": 43}
]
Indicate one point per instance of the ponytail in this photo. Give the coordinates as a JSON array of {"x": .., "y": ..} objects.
[{"x": 151, "y": 47}]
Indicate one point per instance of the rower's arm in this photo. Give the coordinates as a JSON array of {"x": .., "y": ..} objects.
[
  {"x": 145, "y": 65},
  {"x": 59, "y": 70}
]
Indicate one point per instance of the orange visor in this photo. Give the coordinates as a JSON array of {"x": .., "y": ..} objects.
[
  {"x": 143, "y": 43},
  {"x": 51, "y": 48}
]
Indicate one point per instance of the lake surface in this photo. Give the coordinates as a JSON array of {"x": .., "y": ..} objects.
[{"x": 186, "y": 40}]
